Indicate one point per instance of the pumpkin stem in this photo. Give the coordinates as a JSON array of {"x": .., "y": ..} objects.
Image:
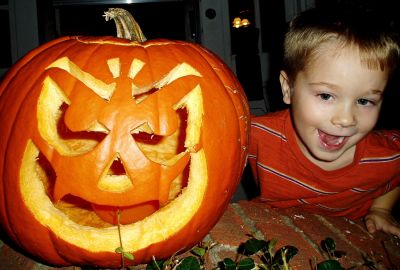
[{"x": 127, "y": 27}]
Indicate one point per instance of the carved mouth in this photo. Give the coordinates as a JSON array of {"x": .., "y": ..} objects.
[{"x": 100, "y": 236}]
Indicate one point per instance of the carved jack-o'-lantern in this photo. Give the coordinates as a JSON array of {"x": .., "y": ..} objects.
[{"x": 94, "y": 126}]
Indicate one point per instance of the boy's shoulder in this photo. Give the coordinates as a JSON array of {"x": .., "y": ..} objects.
[
  {"x": 271, "y": 119},
  {"x": 271, "y": 124},
  {"x": 383, "y": 141}
]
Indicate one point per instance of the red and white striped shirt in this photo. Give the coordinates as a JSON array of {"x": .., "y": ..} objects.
[{"x": 287, "y": 178}]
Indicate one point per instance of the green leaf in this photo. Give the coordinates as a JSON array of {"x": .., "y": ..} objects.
[
  {"x": 119, "y": 250},
  {"x": 271, "y": 246},
  {"x": 199, "y": 251},
  {"x": 128, "y": 255},
  {"x": 252, "y": 246},
  {"x": 328, "y": 244},
  {"x": 229, "y": 264},
  {"x": 189, "y": 263},
  {"x": 329, "y": 265},
  {"x": 246, "y": 264}
]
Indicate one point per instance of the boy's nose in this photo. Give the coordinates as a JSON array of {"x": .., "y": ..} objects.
[{"x": 344, "y": 117}]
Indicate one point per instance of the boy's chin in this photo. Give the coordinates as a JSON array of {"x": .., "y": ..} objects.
[
  {"x": 333, "y": 159},
  {"x": 326, "y": 158}
]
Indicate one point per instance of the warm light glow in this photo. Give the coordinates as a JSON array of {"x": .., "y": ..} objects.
[
  {"x": 238, "y": 22},
  {"x": 245, "y": 22}
]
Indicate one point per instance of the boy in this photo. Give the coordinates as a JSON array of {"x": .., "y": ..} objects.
[{"x": 322, "y": 154}]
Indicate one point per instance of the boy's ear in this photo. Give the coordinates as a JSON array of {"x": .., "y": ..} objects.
[{"x": 285, "y": 86}]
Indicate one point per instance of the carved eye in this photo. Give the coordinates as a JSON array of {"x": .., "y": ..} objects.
[
  {"x": 52, "y": 107},
  {"x": 162, "y": 149},
  {"x": 143, "y": 137}
]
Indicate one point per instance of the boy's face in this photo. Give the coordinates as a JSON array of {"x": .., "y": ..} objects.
[{"x": 335, "y": 102}]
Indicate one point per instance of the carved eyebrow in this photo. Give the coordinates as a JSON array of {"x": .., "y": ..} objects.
[
  {"x": 101, "y": 88},
  {"x": 105, "y": 90},
  {"x": 179, "y": 71}
]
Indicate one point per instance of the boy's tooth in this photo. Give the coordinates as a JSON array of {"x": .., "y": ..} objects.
[{"x": 331, "y": 139}]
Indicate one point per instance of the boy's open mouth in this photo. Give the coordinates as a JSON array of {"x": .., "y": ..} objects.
[{"x": 332, "y": 142}]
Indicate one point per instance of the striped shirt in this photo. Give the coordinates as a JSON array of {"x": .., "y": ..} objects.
[{"x": 287, "y": 178}]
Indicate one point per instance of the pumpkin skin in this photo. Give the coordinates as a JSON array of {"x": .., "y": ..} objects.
[{"x": 69, "y": 83}]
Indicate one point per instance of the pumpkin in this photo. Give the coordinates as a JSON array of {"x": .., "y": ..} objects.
[{"x": 108, "y": 142}]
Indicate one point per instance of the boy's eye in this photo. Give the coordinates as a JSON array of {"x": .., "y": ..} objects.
[
  {"x": 365, "y": 102},
  {"x": 325, "y": 96}
]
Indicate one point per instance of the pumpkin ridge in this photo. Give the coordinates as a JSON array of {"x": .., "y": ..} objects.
[
  {"x": 18, "y": 106},
  {"x": 22, "y": 64},
  {"x": 237, "y": 94},
  {"x": 11, "y": 73}
]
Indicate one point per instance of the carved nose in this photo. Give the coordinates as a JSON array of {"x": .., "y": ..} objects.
[
  {"x": 115, "y": 179},
  {"x": 117, "y": 168}
]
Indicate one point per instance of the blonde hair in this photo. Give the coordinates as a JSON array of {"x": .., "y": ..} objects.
[{"x": 313, "y": 29}]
